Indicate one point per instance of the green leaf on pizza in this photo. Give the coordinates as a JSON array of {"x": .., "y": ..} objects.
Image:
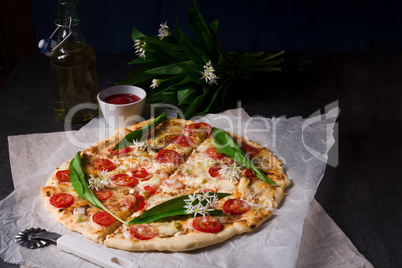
[
  {"x": 140, "y": 133},
  {"x": 177, "y": 207},
  {"x": 225, "y": 145}
]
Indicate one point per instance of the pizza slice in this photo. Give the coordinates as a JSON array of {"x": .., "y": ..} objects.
[
  {"x": 208, "y": 169},
  {"x": 169, "y": 147},
  {"x": 78, "y": 214}
]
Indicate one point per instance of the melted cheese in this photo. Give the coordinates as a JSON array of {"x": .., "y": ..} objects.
[{"x": 165, "y": 228}]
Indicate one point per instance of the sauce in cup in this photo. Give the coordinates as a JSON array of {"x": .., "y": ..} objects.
[
  {"x": 121, "y": 106},
  {"x": 123, "y": 98}
]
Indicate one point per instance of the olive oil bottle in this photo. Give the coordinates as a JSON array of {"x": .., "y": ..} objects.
[{"x": 73, "y": 69}]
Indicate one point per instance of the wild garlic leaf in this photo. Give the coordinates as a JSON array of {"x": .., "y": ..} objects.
[
  {"x": 166, "y": 69},
  {"x": 186, "y": 95},
  {"x": 139, "y": 134},
  {"x": 172, "y": 207},
  {"x": 197, "y": 103},
  {"x": 139, "y": 74},
  {"x": 214, "y": 26},
  {"x": 214, "y": 101},
  {"x": 193, "y": 50},
  {"x": 77, "y": 180},
  {"x": 169, "y": 83},
  {"x": 135, "y": 34},
  {"x": 193, "y": 71},
  {"x": 151, "y": 57},
  {"x": 201, "y": 31},
  {"x": 171, "y": 53}
]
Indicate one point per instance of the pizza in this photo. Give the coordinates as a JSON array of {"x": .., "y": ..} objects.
[{"x": 173, "y": 189}]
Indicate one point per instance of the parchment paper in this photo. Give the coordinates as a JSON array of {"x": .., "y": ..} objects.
[{"x": 274, "y": 244}]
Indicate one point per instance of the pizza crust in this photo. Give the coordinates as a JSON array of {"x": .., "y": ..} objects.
[
  {"x": 185, "y": 242},
  {"x": 189, "y": 241}
]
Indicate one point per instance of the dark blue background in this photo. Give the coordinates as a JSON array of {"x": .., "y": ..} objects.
[{"x": 317, "y": 27}]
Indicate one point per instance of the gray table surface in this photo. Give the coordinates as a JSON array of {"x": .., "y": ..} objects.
[{"x": 361, "y": 194}]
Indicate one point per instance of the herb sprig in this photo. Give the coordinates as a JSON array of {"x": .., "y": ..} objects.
[{"x": 225, "y": 145}]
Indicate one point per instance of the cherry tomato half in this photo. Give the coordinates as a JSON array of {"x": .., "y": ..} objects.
[
  {"x": 150, "y": 189},
  {"x": 63, "y": 176},
  {"x": 61, "y": 200},
  {"x": 236, "y": 206},
  {"x": 123, "y": 180},
  {"x": 213, "y": 153},
  {"x": 120, "y": 151},
  {"x": 142, "y": 205},
  {"x": 168, "y": 156},
  {"x": 139, "y": 173},
  {"x": 198, "y": 127},
  {"x": 214, "y": 171},
  {"x": 143, "y": 231},
  {"x": 103, "y": 218},
  {"x": 103, "y": 194},
  {"x": 102, "y": 164},
  {"x": 207, "y": 224},
  {"x": 206, "y": 190},
  {"x": 250, "y": 150},
  {"x": 139, "y": 198},
  {"x": 129, "y": 201},
  {"x": 249, "y": 174},
  {"x": 184, "y": 141}
]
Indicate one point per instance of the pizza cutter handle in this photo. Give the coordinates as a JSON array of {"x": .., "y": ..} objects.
[{"x": 93, "y": 253}]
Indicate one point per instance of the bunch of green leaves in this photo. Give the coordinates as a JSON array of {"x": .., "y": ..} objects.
[{"x": 179, "y": 61}]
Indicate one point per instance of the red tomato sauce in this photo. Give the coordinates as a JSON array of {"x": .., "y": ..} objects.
[{"x": 123, "y": 98}]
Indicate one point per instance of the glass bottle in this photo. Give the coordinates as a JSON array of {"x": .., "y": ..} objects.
[{"x": 73, "y": 69}]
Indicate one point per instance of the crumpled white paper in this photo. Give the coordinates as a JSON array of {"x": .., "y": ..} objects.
[{"x": 301, "y": 144}]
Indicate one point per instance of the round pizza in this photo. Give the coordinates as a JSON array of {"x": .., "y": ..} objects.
[{"x": 166, "y": 185}]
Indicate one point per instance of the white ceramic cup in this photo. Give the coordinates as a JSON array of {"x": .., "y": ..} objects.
[{"x": 122, "y": 115}]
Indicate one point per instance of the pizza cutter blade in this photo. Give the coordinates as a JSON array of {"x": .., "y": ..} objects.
[{"x": 37, "y": 238}]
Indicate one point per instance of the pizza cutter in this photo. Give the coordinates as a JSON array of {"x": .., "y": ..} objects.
[{"x": 37, "y": 238}]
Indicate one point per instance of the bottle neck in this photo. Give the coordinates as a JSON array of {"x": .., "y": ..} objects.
[
  {"x": 68, "y": 9},
  {"x": 69, "y": 17}
]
